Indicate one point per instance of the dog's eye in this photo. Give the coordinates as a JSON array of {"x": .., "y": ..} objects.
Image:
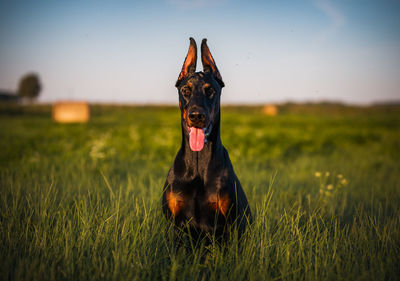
[
  {"x": 210, "y": 92},
  {"x": 185, "y": 91}
]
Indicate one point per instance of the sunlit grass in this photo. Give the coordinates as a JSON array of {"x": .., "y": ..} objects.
[{"x": 82, "y": 201}]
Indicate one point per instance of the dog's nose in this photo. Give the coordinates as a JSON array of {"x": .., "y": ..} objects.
[{"x": 197, "y": 116}]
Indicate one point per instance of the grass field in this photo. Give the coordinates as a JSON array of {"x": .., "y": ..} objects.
[{"x": 82, "y": 201}]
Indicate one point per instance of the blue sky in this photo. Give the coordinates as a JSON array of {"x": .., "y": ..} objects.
[{"x": 266, "y": 51}]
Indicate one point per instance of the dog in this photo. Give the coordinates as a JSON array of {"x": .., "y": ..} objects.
[{"x": 202, "y": 194}]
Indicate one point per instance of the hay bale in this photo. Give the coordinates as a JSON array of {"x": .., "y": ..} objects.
[
  {"x": 71, "y": 112},
  {"x": 270, "y": 110}
]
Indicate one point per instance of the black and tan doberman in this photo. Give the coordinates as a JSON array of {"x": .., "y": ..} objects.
[{"x": 202, "y": 193}]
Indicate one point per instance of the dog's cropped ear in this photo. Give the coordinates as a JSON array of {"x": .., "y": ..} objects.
[
  {"x": 209, "y": 63},
  {"x": 189, "y": 66}
]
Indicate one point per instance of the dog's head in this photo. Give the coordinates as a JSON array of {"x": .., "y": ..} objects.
[{"x": 199, "y": 95}]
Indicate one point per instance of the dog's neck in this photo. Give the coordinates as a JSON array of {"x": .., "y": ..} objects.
[{"x": 196, "y": 164}]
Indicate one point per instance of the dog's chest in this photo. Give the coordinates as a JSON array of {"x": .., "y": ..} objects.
[{"x": 198, "y": 206}]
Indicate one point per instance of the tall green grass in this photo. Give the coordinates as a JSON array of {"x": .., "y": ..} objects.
[{"x": 82, "y": 201}]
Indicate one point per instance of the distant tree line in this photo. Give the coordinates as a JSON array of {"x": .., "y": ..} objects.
[{"x": 29, "y": 88}]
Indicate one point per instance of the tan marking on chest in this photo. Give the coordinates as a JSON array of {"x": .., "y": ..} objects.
[
  {"x": 175, "y": 202},
  {"x": 220, "y": 203}
]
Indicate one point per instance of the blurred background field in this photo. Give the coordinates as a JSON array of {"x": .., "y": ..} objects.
[{"x": 82, "y": 201}]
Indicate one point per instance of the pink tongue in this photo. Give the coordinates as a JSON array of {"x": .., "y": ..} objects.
[{"x": 196, "y": 139}]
